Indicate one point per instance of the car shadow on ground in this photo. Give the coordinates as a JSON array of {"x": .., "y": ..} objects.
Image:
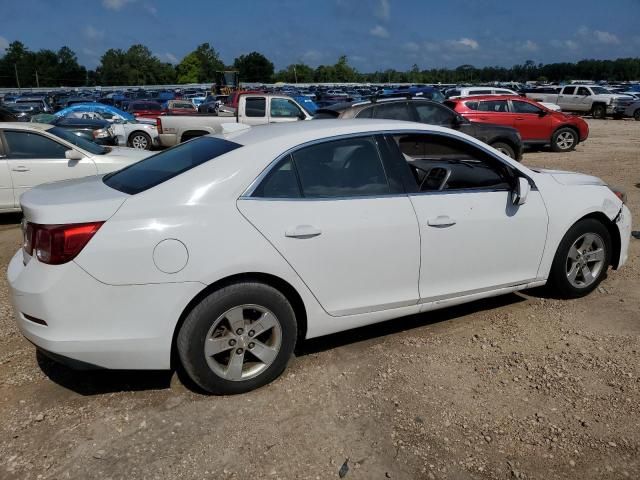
[
  {"x": 402, "y": 324},
  {"x": 99, "y": 382},
  {"x": 11, "y": 219}
]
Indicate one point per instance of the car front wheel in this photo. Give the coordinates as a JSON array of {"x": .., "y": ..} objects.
[
  {"x": 238, "y": 338},
  {"x": 140, "y": 140},
  {"x": 636, "y": 115},
  {"x": 582, "y": 259}
]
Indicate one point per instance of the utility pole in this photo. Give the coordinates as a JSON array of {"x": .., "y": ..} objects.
[
  {"x": 15, "y": 68},
  {"x": 37, "y": 80},
  {"x": 295, "y": 74}
]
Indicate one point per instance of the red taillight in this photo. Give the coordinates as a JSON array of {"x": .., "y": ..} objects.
[
  {"x": 159, "y": 124},
  {"x": 57, "y": 244}
]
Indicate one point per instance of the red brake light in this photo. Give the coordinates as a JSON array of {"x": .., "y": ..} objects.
[
  {"x": 159, "y": 124},
  {"x": 57, "y": 244}
]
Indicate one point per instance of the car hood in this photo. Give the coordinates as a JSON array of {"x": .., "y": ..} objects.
[
  {"x": 571, "y": 178},
  {"x": 125, "y": 153}
]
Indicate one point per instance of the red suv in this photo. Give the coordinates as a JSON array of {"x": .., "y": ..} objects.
[{"x": 537, "y": 124}]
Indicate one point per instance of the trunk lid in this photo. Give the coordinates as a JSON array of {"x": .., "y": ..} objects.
[{"x": 71, "y": 201}]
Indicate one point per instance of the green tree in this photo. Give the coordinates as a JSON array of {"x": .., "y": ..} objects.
[
  {"x": 189, "y": 70},
  {"x": 254, "y": 67}
]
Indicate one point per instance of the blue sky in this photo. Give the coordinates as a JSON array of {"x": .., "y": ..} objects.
[{"x": 374, "y": 34}]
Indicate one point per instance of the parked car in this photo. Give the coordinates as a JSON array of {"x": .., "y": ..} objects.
[
  {"x": 538, "y": 126},
  {"x": 179, "y": 107},
  {"x": 591, "y": 99},
  {"x": 145, "y": 109},
  {"x": 24, "y": 112},
  {"x": 473, "y": 91},
  {"x": 503, "y": 138},
  {"x": 227, "y": 252},
  {"x": 212, "y": 103},
  {"x": 633, "y": 110},
  {"x": 91, "y": 129},
  {"x": 43, "y": 104},
  {"x": 37, "y": 153},
  {"x": 253, "y": 109},
  {"x": 131, "y": 132},
  {"x": 7, "y": 115}
]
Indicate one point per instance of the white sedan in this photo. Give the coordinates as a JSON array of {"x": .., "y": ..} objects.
[
  {"x": 34, "y": 153},
  {"x": 228, "y": 251}
]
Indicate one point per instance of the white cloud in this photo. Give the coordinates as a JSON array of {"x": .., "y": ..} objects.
[
  {"x": 465, "y": 43},
  {"x": 171, "y": 57},
  {"x": 4, "y": 43},
  {"x": 383, "y": 11},
  {"x": 411, "y": 47},
  {"x": 606, "y": 38},
  {"x": 312, "y": 56},
  {"x": 115, "y": 4},
  {"x": 571, "y": 45},
  {"x": 379, "y": 31},
  {"x": 530, "y": 46},
  {"x": 151, "y": 9},
  {"x": 93, "y": 33}
]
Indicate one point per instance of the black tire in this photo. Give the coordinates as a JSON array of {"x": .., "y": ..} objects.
[
  {"x": 599, "y": 111},
  {"x": 504, "y": 148},
  {"x": 139, "y": 140},
  {"x": 559, "y": 140},
  {"x": 636, "y": 115},
  {"x": 191, "y": 338},
  {"x": 559, "y": 283}
]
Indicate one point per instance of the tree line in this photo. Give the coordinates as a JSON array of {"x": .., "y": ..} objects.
[{"x": 21, "y": 67}]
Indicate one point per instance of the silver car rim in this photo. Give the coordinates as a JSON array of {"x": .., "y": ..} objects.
[
  {"x": 585, "y": 260},
  {"x": 243, "y": 342},
  {"x": 565, "y": 140},
  {"x": 139, "y": 141}
]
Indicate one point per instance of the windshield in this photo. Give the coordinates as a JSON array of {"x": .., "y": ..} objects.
[
  {"x": 91, "y": 147},
  {"x": 163, "y": 166}
]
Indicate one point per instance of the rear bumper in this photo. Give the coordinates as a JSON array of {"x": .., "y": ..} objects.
[{"x": 107, "y": 326}]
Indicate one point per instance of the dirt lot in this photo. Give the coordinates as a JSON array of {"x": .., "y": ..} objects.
[{"x": 519, "y": 386}]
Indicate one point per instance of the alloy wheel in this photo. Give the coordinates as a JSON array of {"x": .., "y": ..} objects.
[
  {"x": 140, "y": 142},
  {"x": 585, "y": 260},
  {"x": 565, "y": 140},
  {"x": 243, "y": 342}
]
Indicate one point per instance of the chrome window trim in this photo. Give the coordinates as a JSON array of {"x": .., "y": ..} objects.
[{"x": 248, "y": 193}]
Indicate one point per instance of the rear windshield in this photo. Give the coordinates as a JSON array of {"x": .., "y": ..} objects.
[{"x": 159, "y": 168}]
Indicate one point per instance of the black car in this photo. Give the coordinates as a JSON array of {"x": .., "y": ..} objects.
[
  {"x": 24, "y": 111},
  {"x": 504, "y": 139},
  {"x": 94, "y": 130},
  {"x": 7, "y": 115}
]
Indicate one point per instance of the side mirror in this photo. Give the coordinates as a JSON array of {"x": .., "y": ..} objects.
[
  {"x": 302, "y": 116},
  {"x": 73, "y": 155},
  {"x": 543, "y": 113},
  {"x": 521, "y": 191}
]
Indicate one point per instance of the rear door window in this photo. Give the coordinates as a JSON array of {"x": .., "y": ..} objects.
[
  {"x": 256, "y": 106},
  {"x": 165, "y": 165},
  {"x": 393, "y": 111}
]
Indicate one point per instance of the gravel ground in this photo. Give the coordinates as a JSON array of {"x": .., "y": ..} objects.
[{"x": 519, "y": 386}]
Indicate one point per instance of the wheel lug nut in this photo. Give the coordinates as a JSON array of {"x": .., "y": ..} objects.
[
  {"x": 232, "y": 342},
  {"x": 239, "y": 351},
  {"x": 240, "y": 331},
  {"x": 251, "y": 333},
  {"x": 251, "y": 345}
]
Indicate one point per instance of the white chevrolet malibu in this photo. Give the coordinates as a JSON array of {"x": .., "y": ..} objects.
[{"x": 222, "y": 253}]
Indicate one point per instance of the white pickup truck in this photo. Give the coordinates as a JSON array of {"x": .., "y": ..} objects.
[
  {"x": 593, "y": 99},
  {"x": 253, "y": 109}
]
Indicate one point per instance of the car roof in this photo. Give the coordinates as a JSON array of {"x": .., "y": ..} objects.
[
  {"x": 291, "y": 134},
  {"x": 25, "y": 126},
  {"x": 490, "y": 97}
]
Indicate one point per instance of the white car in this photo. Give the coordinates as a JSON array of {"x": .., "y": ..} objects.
[
  {"x": 34, "y": 153},
  {"x": 228, "y": 251}
]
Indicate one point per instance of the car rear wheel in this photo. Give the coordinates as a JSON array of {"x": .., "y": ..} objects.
[
  {"x": 564, "y": 140},
  {"x": 582, "y": 259},
  {"x": 599, "y": 111},
  {"x": 238, "y": 338},
  {"x": 636, "y": 115},
  {"x": 504, "y": 148},
  {"x": 140, "y": 140}
]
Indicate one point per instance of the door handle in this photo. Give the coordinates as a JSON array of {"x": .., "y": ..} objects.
[
  {"x": 519, "y": 118},
  {"x": 302, "y": 231},
  {"x": 20, "y": 168},
  {"x": 441, "y": 221}
]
